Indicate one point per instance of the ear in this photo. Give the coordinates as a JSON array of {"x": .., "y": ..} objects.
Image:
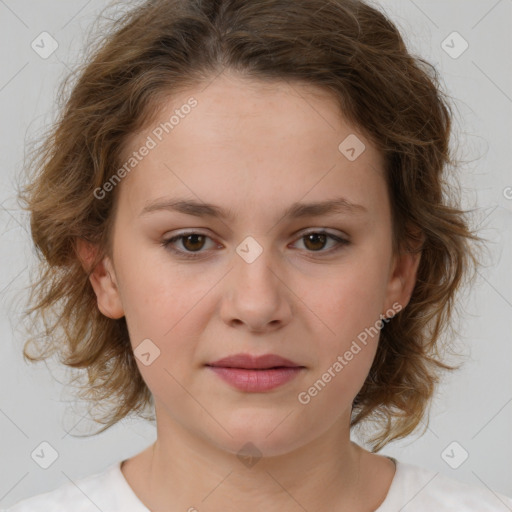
[
  {"x": 103, "y": 279},
  {"x": 403, "y": 274}
]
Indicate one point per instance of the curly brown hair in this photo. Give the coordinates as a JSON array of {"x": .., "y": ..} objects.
[{"x": 159, "y": 47}]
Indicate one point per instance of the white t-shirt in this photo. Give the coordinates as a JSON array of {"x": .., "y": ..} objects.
[{"x": 412, "y": 489}]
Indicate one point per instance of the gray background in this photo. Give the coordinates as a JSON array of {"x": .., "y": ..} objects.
[{"x": 473, "y": 407}]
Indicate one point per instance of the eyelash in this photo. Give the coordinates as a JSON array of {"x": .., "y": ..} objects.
[{"x": 195, "y": 255}]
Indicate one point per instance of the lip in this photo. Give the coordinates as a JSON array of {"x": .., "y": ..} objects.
[
  {"x": 255, "y": 373},
  {"x": 249, "y": 362}
]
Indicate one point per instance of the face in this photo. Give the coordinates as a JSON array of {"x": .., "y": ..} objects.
[{"x": 262, "y": 277}]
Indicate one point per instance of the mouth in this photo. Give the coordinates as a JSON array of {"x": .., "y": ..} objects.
[
  {"x": 255, "y": 373},
  {"x": 248, "y": 362}
]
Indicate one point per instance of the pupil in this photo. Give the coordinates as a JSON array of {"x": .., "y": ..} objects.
[
  {"x": 188, "y": 237},
  {"x": 315, "y": 236}
]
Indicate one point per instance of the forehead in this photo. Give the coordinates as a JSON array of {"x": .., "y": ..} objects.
[{"x": 251, "y": 143}]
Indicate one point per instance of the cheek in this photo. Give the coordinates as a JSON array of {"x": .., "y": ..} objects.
[
  {"x": 165, "y": 321},
  {"x": 155, "y": 294},
  {"x": 337, "y": 379},
  {"x": 349, "y": 301},
  {"x": 349, "y": 310}
]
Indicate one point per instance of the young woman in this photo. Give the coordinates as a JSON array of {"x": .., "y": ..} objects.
[{"x": 244, "y": 226}]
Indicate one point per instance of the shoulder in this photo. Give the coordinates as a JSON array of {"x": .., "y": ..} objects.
[
  {"x": 421, "y": 490},
  {"x": 88, "y": 494}
]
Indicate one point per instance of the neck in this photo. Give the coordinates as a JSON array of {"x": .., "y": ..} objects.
[{"x": 190, "y": 473}]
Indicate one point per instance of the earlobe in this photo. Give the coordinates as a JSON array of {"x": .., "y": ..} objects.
[{"x": 103, "y": 280}]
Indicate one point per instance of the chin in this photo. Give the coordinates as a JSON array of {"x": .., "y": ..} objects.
[{"x": 262, "y": 434}]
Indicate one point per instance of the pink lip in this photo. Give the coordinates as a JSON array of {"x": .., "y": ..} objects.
[{"x": 255, "y": 373}]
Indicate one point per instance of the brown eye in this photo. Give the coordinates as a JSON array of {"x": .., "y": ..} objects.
[
  {"x": 193, "y": 242},
  {"x": 315, "y": 241}
]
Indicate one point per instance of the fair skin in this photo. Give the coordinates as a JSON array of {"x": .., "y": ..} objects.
[{"x": 255, "y": 149}]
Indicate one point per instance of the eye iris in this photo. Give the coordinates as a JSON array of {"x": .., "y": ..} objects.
[
  {"x": 194, "y": 247},
  {"x": 314, "y": 237},
  {"x": 313, "y": 241}
]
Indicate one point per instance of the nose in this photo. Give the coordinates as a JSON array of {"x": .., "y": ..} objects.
[{"x": 256, "y": 295}]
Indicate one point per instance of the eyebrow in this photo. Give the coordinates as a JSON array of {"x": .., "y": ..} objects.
[{"x": 296, "y": 210}]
